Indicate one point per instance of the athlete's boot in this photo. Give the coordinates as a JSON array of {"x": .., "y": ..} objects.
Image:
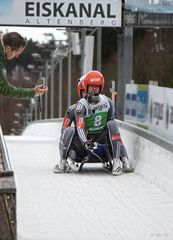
[
  {"x": 127, "y": 166},
  {"x": 60, "y": 167},
  {"x": 117, "y": 167}
]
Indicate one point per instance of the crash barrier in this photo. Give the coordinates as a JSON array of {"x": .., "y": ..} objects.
[
  {"x": 7, "y": 195},
  {"x": 152, "y": 155}
]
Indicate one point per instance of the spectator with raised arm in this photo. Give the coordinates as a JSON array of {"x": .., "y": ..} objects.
[{"x": 12, "y": 44}]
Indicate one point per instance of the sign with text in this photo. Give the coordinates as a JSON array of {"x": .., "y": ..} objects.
[
  {"x": 103, "y": 13},
  {"x": 142, "y": 106},
  {"x": 169, "y": 113},
  {"x": 157, "y": 109},
  {"x": 150, "y": 107},
  {"x": 136, "y": 104},
  {"x": 161, "y": 111},
  {"x": 130, "y": 103}
]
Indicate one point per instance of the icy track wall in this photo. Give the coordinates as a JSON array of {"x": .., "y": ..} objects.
[{"x": 153, "y": 155}]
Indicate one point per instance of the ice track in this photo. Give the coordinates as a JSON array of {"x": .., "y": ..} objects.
[{"x": 91, "y": 205}]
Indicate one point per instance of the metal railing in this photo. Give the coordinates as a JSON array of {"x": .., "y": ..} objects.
[
  {"x": 5, "y": 166},
  {"x": 7, "y": 195}
]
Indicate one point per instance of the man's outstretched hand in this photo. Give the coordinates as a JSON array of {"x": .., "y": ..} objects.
[{"x": 40, "y": 89}]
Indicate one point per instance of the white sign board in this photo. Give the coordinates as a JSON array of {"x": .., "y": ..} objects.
[
  {"x": 150, "y": 107},
  {"x": 169, "y": 113},
  {"x": 157, "y": 110},
  {"x": 142, "y": 106},
  {"x": 130, "y": 103},
  {"x": 103, "y": 13}
]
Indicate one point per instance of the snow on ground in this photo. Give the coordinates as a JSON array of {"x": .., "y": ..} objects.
[{"x": 91, "y": 205}]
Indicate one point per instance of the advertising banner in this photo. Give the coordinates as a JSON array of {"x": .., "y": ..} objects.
[
  {"x": 142, "y": 106},
  {"x": 103, "y": 13},
  {"x": 150, "y": 107},
  {"x": 157, "y": 110},
  {"x": 157, "y": 6},
  {"x": 130, "y": 103},
  {"x": 169, "y": 114}
]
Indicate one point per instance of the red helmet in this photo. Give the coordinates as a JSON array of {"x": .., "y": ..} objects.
[
  {"x": 81, "y": 86},
  {"x": 94, "y": 78}
]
